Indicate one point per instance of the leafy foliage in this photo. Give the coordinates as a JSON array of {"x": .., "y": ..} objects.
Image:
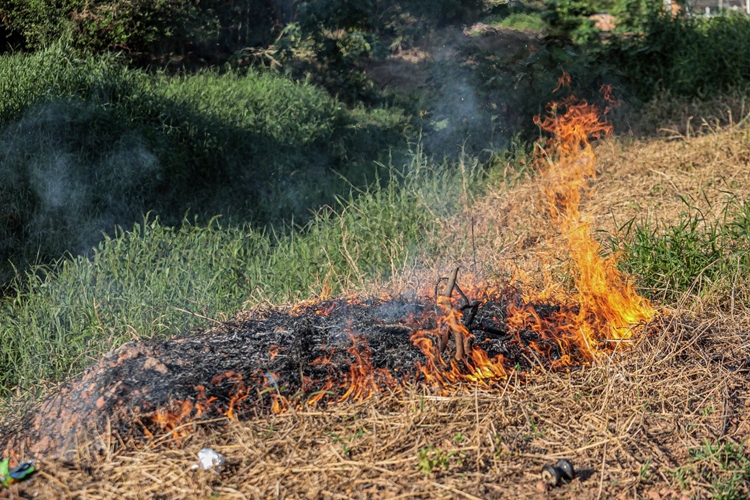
[
  {"x": 147, "y": 30},
  {"x": 692, "y": 57}
]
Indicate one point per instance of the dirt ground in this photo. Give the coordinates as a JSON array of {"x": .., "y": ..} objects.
[{"x": 628, "y": 426}]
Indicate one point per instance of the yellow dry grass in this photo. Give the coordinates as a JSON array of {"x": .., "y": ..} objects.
[
  {"x": 631, "y": 424},
  {"x": 627, "y": 425},
  {"x": 653, "y": 179}
]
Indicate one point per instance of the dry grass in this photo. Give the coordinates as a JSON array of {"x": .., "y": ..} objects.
[
  {"x": 653, "y": 179},
  {"x": 630, "y": 424}
]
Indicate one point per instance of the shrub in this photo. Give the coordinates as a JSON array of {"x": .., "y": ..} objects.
[
  {"x": 692, "y": 57},
  {"x": 148, "y": 30}
]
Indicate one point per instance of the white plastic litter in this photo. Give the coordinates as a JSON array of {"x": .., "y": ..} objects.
[{"x": 208, "y": 459}]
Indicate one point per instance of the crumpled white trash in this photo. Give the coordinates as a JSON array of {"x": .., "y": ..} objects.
[{"x": 208, "y": 459}]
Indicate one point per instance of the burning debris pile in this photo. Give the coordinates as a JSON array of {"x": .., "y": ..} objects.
[
  {"x": 330, "y": 351},
  {"x": 337, "y": 350}
]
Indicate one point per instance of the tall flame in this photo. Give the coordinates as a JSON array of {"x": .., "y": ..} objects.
[
  {"x": 604, "y": 306},
  {"x": 609, "y": 304}
]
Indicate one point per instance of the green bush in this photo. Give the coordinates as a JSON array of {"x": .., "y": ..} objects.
[
  {"x": 148, "y": 30},
  {"x": 86, "y": 143},
  {"x": 693, "y": 57},
  {"x": 199, "y": 31},
  {"x": 569, "y": 18},
  {"x": 524, "y": 21}
]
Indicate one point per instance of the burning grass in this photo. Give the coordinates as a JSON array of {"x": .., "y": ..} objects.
[
  {"x": 638, "y": 424},
  {"x": 661, "y": 414},
  {"x": 504, "y": 333}
]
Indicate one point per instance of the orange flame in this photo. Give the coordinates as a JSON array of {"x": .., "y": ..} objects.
[
  {"x": 609, "y": 305},
  {"x": 475, "y": 367},
  {"x": 238, "y": 394},
  {"x": 172, "y": 419},
  {"x": 202, "y": 403},
  {"x": 316, "y": 397},
  {"x": 603, "y": 307},
  {"x": 273, "y": 352},
  {"x": 364, "y": 380}
]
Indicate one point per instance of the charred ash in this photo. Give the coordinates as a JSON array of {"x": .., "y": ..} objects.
[{"x": 313, "y": 355}]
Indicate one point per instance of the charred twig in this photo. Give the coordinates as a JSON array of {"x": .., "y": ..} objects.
[
  {"x": 473, "y": 309},
  {"x": 467, "y": 302},
  {"x": 462, "y": 342},
  {"x": 437, "y": 292},
  {"x": 451, "y": 283},
  {"x": 471, "y": 305}
]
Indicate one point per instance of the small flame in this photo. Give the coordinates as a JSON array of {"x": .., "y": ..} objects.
[
  {"x": 323, "y": 360},
  {"x": 173, "y": 418},
  {"x": 202, "y": 403},
  {"x": 317, "y": 396},
  {"x": 475, "y": 367},
  {"x": 280, "y": 404},
  {"x": 238, "y": 394},
  {"x": 364, "y": 380},
  {"x": 273, "y": 352}
]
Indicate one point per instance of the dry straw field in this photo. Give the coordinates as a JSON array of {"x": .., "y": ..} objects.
[{"x": 664, "y": 415}]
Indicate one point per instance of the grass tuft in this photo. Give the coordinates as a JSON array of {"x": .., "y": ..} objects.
[{"x": 694, "y": 254}]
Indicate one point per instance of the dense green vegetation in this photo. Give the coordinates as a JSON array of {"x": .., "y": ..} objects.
[
  {"x": 87, "y": 143},
  {"x": 695, "y": 57},
  {"x": 197, "y": 32},
  {"x": 155, "y": 280}
]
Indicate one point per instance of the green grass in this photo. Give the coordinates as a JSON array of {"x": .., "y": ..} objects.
[
  {"x": 87, "y": 143},
  {"x": 723, "y": 465},
  {"x": 524, "y": 21},
  {"x": 694, "y": 255},
  {"x": 157, "y": 281}
]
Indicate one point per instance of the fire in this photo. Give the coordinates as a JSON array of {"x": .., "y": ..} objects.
[
  {"x": 273, "y": 352},
  {"x": 549, "y": 328},
  {"x": 203, "y": 403},
  {"x": 605, "y": 305},
  {"x": 364, "y": 380},
  {"x": 171, "y": 419},
  {"x": 609, "y": 305},
  {"x": 238, "y": 394},
  {"x": 323, "y": 392}
]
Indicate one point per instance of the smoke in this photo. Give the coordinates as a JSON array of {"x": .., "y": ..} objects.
[
  {"x": 67, "y": 174},
  {"x": 395, "y": 310},
  {"x": 460, "y": 121}
]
